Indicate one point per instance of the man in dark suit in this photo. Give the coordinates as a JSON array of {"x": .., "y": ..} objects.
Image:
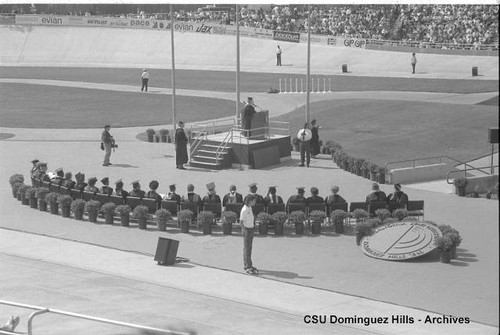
[
  {"x": 181, "y": 141},
  {"x": 247, "y": 116},
  {"x": 80, "y": 181},
  {"x": 259, "y": 199},
  {"x": 59, "y": 177},
  {"x": 191, "y": 196},
  {"x": 91, "y": 186},
  {"x": 297, "y": 198},
  {"x": 68, "y": 180},
  {"x": 232, "y": 197},
  {"x": 376, "y": 195}
]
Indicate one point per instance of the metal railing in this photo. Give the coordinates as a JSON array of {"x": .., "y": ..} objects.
[
  {"x": 465, "y": 172},
  {"x": 43, "y": 310}
]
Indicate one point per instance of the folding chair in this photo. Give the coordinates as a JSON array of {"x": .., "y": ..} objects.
[
  {"x": 53, "y": 187},
  {"x": 87, "y": 196},
  {"x": 102, "y": 198},
  {"x": 336, "y": 206},
  {"x": 316, "y": 207},
  {"x": 234, "y": 208},
  {"x": 133, "y": 202},
  {"x": 192, "y": 206},
  {"x": 258, "y": 208},
  {"x": 117, "y": 200},
  {"x": 373, "y": 206},
  {"x": 273, "y": 208},
  {"x": 171, "y": 206},
  {"x": 356, "y": 205},
  {"x": 151, "y": 204},
  {"x": 292, "y": 207},
  {"x": 75, "y": 194},
  {"x": 416, "y": 208},
  {"x": 35, "y": 182},
  {"x": 214, "y": 208},
  {"x": 392, "y": 205}
]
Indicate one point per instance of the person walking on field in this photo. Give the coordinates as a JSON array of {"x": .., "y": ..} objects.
[
  {"x": 278, "y": 56},
  {"x": 145, "y": 80},
  {"x": 315, "y": 148},
  {"x": 413, "y": 62},
  {"x": 181, "y": 141},
  {"x": 247, "y": 222},
  {"x": 107, "y": 143}
]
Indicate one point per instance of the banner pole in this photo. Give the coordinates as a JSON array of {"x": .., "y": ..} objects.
[
  {"x": 174, "y": 111},
  {"x": 237, "y": 66}
]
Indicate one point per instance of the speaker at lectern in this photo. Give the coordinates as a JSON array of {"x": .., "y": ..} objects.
[{"x": 260, "y": 125}]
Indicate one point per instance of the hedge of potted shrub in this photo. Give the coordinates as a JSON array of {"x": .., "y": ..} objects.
[
  {"x": 455, "y": 237},
  {"x": 141, "y": 213},
  {"x": 444, "y": 244},
  {"x": 41, "y": 193},
  {"x": 108, "y": 209},
  {"x": 228, "y": 218},
  {"x": 265, "y": 220},
  {"x": 51, "y": 200},
  {"x": 31, "y": 196},
  {"x": 65, "y": 204},
  {"x": 15, "y": 181},
  {"x": 92, "y": 209},
  {"x": 78, "y": 209},
  {"x": 317, "y": 218},
  {"x": 123, "y": 211},
  {"x": 338, "y": 217},
  {"x": 162, "y": 217},
  {"x": 205, "y": 221},
  {"x": 460, "y": 184},
  {"x": 150, "y": 133},
  {"x": 279, "y": 222},
  {"x": 363, "y": 228},
  {"x": 360, "y": 214},
  {"x": 25, "y": 190},
  {"x": 400, "y": 213},
  {"x": 163, "y": 135},
  {"x": 382, "y": 214},
  {"x": 296, "y": 219},
  {"x": 184, "y": 217}
]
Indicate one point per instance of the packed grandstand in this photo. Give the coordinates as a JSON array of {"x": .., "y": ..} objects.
[{"x": 449, "y": 26}]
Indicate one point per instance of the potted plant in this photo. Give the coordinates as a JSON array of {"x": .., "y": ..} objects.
[
  {"x": 381, "y": 175},
  {"x": 296, "y": 219},
  {"x": 365, "y": 167},
  {"x": 460, "y": 184},
  {"x": 444, "y": 245},
  {"x": 65, "y": 204},
  {"x": 374, "y": 222},
  {"x": 162, "y": 217},
  {"x": 205, "y": 220},
  {"x": 16, "y": 181},
  {"x": 363, "y": 228},
  {"x": 338, "y": 217},
  {"x": 382, "y": 214},
  {"x": 108, "y": 209},
  {"x": 373, "y": 171},
  {"x": 151, "y": 133},
  {"x": 360, "y": 214},
  {"x": 41, "y": 193},
  {"x": 279, "y": 222},
  {"x": 141, "y": 213},
  {"x": 51, "y": 200},
  {"x": 78, "y": 208},
  {"x": 163, "y": 135},
  {"x": 124, "y": 212},
  {"x": 295, "y": 143},
  {"x": 227, "y": 220},
  {"x": 31, "y": 196},
  {"x": 317, "y": 218},
  {"x": 92, "y": 210},
  {"x": 456, "y": 239},
  {"x": 25, "y": 191},
  {"x": 157, "y": 138},
  {"x": 391, "y": 220},
  {"x": 21, "y": 192},
  {"x": 400, "y": 213},
  {"x": 184, "y": 217},
  {"x": 15, "y": 189},
  {"x": 265, "y": 220}
]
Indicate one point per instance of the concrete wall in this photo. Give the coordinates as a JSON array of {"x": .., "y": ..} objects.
[
  {"x": 481, "y": 184},
  {"x": 136, "y": 48},
  {"x": 418, "y": 174}
]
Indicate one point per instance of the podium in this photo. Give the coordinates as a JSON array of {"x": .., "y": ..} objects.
[{"x": 259, "y": 125}]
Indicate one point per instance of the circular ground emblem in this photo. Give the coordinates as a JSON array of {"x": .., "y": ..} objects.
[
  {"x": 401, "y": 240},
  {"x": 4, "y": 136}
]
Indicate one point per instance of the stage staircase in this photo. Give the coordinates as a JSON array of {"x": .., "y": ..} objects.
[{"x": 209, "y": 154}]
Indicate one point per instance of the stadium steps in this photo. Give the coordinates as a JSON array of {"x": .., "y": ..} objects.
[{"x": 205, "y": 156}]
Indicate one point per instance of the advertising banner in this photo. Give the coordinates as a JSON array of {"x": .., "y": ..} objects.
[{"x": 286, "y": 36}]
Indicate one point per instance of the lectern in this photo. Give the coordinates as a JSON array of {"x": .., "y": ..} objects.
[{"x": 260, "y": 124}]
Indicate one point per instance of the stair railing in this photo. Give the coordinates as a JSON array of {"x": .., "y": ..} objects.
[
  {"x": 465, "y": 173},
  {"x": 223, "y": 145},
  {"x": 199, "y": 135}
]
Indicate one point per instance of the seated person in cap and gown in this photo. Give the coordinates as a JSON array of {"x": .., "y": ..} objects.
[
  {"x": 297, "y": 198},
  {"x": 106, "y": 189},
  {"x": 271, "y": 197},
  {"x": 259, "y": 199},
  {"x": 376, "y": 194},
  {"x": 58, "y": 177},
  {"x": 315, "y": 198},
  {"x": 247, "y": 116},
  {"x": 34, "y": 167},
  {"x": 334, "y": 198},
  {"x": 42, "y": 174},
  {"x": 211, "y": 197},
  {"x": 119, "y": 191},
  {"x": 68, "y": 180},
  {"x": 136, "y": 191},
  {"x": 171, "y": 195},
  {"x": 80, "y": 181},
  {"x": 91, "y": 186},
  {"x": 398, "y": 197},
  {"x": 232, "y": 197},
  {"x": 192, "y": 197},
  {"x": 152, "y": 194}
]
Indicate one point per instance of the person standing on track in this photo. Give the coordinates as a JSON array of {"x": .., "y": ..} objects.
[
  {"x": 247, "y": 222},
  {"x": 413, "y": 62},
  {"x": 107, "y": 143},
  {"x": 145, "y": 80},
  {"x": 278, "y": 56}
]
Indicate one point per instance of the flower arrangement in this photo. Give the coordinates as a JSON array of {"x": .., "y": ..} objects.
[
  {"x": 373, "y": 167},
  {"x": 92, "y": 209},
  {"x": 78, "y": 208},
  {"x": 141, "y": 213},
  {"x": 122, "y": 210},
  {"x": 296, "y": 217},
  {"x": 382, "y": 214},
  {"x": 108, "y": 208},
  {"x": 184, "y": 218},
  {"x": 265, "y": 220},
  {"x": 400, "y": 213},
  {"x": 338, "y": 216},
  {"x": 364, "y": 227},
  {"x": 150, "y": 132},
  {"x": 460, "y": 182},
  {"x": 162, "y": 217},
  {"x": 16, "y": 178},
  {"x": 229, "y": 217},
  {"x": 163, "y": 132},
  {"x": 15, "y": 188},
  {"x": 279, "y": 221},
  {"x": 205, "y": 220},
  {"x": 317, "y": 216},
  {"x": 64, "y": 200},
  {"x": 359, "y": 214},
  {"x": 51, "y": 197},
  {"x": 374, "y": 222},
  {"x": 444, "y": 243}
]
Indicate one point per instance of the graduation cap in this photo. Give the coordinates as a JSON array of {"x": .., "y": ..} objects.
[
  {"x": 301, "y": 189},
  {"x": 39, "y": 164},
  {"x": 34, "y": 161},
  {"x": 171, "y": 187},
  {"x": 105, "y": 180},
  {"x": 253, "y": 185},
  {"x": 92, "y": 180},
  {"x": 210, "y": 186},
  {"x": 135, "y": 183},
  {"x": 154, "y": 184},
  {"x": 119, "y": 181},
  {"x": 68, "y": 175},
  {"x": 79, "y": 175},
  {"x": 59, "y": 172},
  {"x": 272, "y": 189}
]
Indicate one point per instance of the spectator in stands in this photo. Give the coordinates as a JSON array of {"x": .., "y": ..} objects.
[
  {"x": 271, "y": 197},
  {"x": 334, "y": 198},
  {"x": 172, "y": 195},
  {"x": 145, "y": 80},
  {"x": 315, "y": 198},
  {"x": 68, "y": 180},
  {"x": 259, "y": 199},
  {"x": 34, "y": 168},
  {"x": 191, "y": 196},
  {"x": 91, "y": 185},
  {"x": 211, "y": 196},
  {"x": 106, "y": 189},
  {"x": 413, "y": 62},
  {"x": 136, "y": 190},
  {"x": 376, "y": 195},
  {"x": 232, "y": 197},
  {"x": 119, "y": 191},
  {"x": 80, "y": 181},
  {"x": 297, "y": 198},
  {"x": 152, "y": 194},
  {"x": 398, "y": 197}
]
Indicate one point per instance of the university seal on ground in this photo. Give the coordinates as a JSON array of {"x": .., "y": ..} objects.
[{"x": 401, "y": 240}]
